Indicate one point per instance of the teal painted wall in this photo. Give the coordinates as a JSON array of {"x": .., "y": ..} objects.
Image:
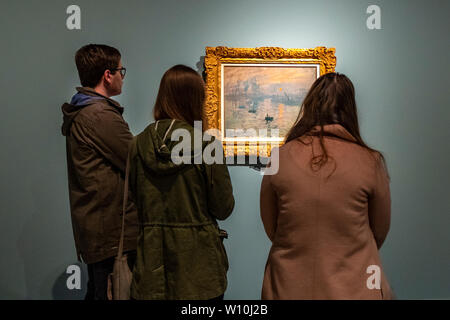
[{"x": 401, "y": 79}]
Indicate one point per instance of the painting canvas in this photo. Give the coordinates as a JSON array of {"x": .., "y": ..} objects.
[
  {"x": 264, "y": 96},
  {"x": 256, "y": 93}
]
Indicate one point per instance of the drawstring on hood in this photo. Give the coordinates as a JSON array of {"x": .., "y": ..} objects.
[
  {"x": 165, "y": 135},
  {"x": 154, "y": 146}
]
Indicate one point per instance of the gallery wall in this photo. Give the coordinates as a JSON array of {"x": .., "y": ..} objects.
[{"x": 401, "y": 77}]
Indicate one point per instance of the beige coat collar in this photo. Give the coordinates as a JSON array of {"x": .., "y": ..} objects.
[{"x": 335, "y": 129}]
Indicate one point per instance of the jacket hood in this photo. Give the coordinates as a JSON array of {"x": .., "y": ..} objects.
[
  {"x": 154, "y": 146},
  {"x": 84, "y": 97}
]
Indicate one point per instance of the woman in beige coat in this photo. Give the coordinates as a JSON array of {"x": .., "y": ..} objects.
[{"x": 327, "y": 209}]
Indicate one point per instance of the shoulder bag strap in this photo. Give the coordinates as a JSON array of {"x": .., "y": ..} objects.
[{"x": 125, "y": 197}]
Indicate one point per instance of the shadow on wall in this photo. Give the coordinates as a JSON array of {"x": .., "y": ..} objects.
[
  {"x": 46, "y": 251},
  {"x": 201, "y": 67}
]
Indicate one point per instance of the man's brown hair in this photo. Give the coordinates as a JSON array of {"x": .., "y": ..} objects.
[
  {"x": 181, "y": 95},
  {"x": 92, "y": 60}
]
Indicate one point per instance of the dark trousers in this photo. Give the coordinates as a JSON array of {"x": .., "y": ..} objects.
[{"x": 98, "y": 276}]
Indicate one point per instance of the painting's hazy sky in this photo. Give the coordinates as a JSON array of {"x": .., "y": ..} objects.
[{"x": 290, "y": 76}]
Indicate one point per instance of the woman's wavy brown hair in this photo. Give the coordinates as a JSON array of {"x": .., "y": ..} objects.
[{"x": 331, "y": 100}]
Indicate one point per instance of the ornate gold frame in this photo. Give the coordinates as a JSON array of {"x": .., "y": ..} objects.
[{"x": 216, "y": 56}]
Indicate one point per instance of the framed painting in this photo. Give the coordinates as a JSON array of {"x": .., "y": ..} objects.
[{"x": 253, "y": 95}]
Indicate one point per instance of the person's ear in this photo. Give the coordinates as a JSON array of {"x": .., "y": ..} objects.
[{"x": 107, "y": 76}]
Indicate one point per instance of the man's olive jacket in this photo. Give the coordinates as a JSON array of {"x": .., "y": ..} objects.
[{"x": 97, "y": 141}]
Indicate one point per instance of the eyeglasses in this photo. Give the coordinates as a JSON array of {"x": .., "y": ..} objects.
[{"x": 122, "y": 71}]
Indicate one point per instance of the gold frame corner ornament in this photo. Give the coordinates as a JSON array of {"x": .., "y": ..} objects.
[{"x": 216, "y": 56}]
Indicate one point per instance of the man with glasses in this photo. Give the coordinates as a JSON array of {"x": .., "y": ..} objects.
[{"x": 97, "y": 140}]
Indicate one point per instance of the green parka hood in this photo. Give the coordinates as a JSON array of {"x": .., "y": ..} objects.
[{"x": 155, "y": 145}]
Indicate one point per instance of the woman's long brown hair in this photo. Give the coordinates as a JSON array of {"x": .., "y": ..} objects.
[
  {"x": 331, "y": 100},
  {"x": 181, "y": 95}
]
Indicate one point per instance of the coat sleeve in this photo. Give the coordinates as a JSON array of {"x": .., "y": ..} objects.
[
  {"x": 220, "y": 191},
  {"x": 111, "y": 137},
  {"x": 268, "y": 206},
  {"x": 380, "y": 205}
]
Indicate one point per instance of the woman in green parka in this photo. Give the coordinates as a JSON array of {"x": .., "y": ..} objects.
[{"x": 180, "y": 254}]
